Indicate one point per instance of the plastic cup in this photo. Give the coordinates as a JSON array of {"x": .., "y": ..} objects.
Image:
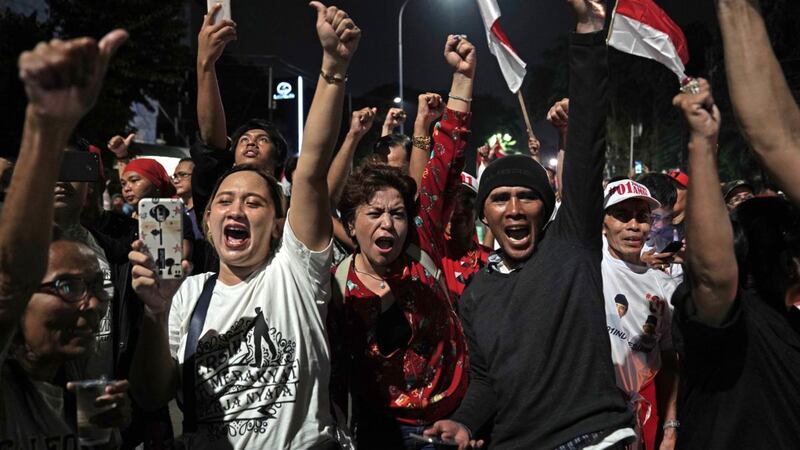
[{"x": 86, "y": 392}]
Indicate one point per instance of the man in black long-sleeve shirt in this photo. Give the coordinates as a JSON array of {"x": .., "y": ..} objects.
[{"x": 534, "y": 317}]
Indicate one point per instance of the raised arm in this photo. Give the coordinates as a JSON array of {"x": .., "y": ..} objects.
[
  {"x": 558, "y": 116},
  {"x": 429, "y": 108},
  {"x": 342, "y": 165},
  {"x": 211, "y": 41},
  {"x": 581, "y": 214},
  {"x": 710, "y": 257},
  {"x": 62, "y": 80},
  {"x": 442, "y": 175},
  {"x": 762, "y": 100},
  {"x": 339, "y": 37}
]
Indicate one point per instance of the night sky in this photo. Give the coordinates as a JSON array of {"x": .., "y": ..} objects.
[{"x": 286, "y": 28}]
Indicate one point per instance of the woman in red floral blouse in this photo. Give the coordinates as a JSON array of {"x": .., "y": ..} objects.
[{"x": 397, "y": 340}]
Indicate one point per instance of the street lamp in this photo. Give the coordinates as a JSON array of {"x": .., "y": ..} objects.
[{"x": 399, "y": 98}]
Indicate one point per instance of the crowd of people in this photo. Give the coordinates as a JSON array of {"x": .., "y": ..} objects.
[{"x": 333, "y": 303}]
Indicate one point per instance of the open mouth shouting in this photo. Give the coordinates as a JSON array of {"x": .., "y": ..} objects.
[
  {"x": 385, "y": 244},
  {"x": 237, "y": 236},
  {"x": 518, "y": 235}
]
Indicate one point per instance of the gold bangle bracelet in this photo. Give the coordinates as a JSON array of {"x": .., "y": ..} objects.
[
  {"x": 422, "y": 142},
  {"x": 331, "y": 78}
]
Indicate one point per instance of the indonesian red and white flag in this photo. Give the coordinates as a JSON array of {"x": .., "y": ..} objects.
[
  {"x": 641, "y": 28},
  {"x": 512, "y": 66}
]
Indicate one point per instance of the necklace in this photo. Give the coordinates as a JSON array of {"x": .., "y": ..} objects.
[{"x": 382, "y": 280}]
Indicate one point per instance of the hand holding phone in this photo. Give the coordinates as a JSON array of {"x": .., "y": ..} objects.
[
  {"x": 161, "y": 230},
  {"x": 672, "y": 247},
  {"x": 433, "y": 440}
]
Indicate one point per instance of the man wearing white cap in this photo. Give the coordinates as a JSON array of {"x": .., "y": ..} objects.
[{"x": 638, "y": 312}]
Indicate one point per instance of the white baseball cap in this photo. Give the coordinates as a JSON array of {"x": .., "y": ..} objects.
[
  {"x": 622, "y": 190},
  {"x": 469, "y": 181}
]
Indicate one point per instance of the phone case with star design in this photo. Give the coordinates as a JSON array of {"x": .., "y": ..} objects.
[{"x": 161, "y": 230}]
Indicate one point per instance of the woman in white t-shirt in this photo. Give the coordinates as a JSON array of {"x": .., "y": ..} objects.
[{"x": 249, "y": 360}]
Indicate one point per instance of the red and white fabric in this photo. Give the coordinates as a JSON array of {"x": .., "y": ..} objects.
[
  {"x": 642, "y": 28},
  {"x": 511, "y": 65}
]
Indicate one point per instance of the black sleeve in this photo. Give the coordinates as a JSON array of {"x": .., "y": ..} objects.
[
  {"x": 480, "y": 402},
  {"x": 209, "y": 164},
  {"x": 698, "y": 338},
  {"x": 580, "y": 216}
]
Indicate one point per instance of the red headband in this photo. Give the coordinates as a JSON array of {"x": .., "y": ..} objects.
[{"x": 153, "y": 171}]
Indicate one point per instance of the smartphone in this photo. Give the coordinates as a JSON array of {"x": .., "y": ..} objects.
[
  {"x": 432, "y": 440},
  {"x": 79, "y": 166},
  {"x": 672, "y": 247},
  {"x": 224, "y": 13},
  {"x": 638, "y": 168},
  {"x": 161, "y": 229}
]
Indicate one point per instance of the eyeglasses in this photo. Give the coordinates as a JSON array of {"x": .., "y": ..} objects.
[
  {"x": 181, "y": 175},
  {"x": 625, "y": 215},
  {"x": 75, "y": 289}
]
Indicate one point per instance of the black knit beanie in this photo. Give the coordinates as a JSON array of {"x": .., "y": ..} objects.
[{"x": 516, "y": 170}]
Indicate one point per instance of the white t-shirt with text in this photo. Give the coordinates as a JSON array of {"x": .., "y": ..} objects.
[
  {"x": 262, "y": 362},
  {"x": 638, "y": 318}
]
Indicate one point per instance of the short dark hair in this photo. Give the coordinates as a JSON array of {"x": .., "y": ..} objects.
[
  {"x": 369, "y": 179},
  {"x": 385, "y": 143},
  {"x": 183, "y": 160},
  {"x": 766, "y": 234},
  {"x": 274, "y": 135},
  {"x": 661, "y": 188}
]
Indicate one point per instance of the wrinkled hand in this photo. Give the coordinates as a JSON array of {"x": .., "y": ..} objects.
[
  {"x": 213, "y": 37},
  {"x": 429, "y": 108},
  {"x": 450, "y": 430},
  {"x": 337, "y": 32},
  {"x": 63, "y": 78},
  {"x": 119, "y": 145},
  {"x": 533, "y": 144},
  {"x": 155, "y": 293},
  {"x": 558, "y": 115},
  {"x": 394, "y": 118},
  {"x": 590, "y": 15},
  {"x": 700, "y": 111},
  {"x": 361, "y": 121},
  {"x": 117, "y": 404},
  {"x": 460, "y": 55}
]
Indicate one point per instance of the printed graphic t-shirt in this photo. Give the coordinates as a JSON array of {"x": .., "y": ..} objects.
[
  {"x": 262, "y": 363},
  {"x": 638, "y": 317}
]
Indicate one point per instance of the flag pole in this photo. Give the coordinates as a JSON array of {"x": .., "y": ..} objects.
[{"x": 525, "y": 113}]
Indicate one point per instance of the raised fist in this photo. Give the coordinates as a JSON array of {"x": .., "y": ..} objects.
[
  {"x": 63, "y": 78},
  {"x": 394, "y": 118},
  {"x": 362, "y": 120},
  {"x": 213, "y": 37},
  {"x": 429, "y": 108},
  {"x": 558, "y": 115},
  {"x": 337, "y": 32},
  {"x": 700, "y": 111},
  {"x": 460, "y": 54},
  {"x": 590, "y": 15}
]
